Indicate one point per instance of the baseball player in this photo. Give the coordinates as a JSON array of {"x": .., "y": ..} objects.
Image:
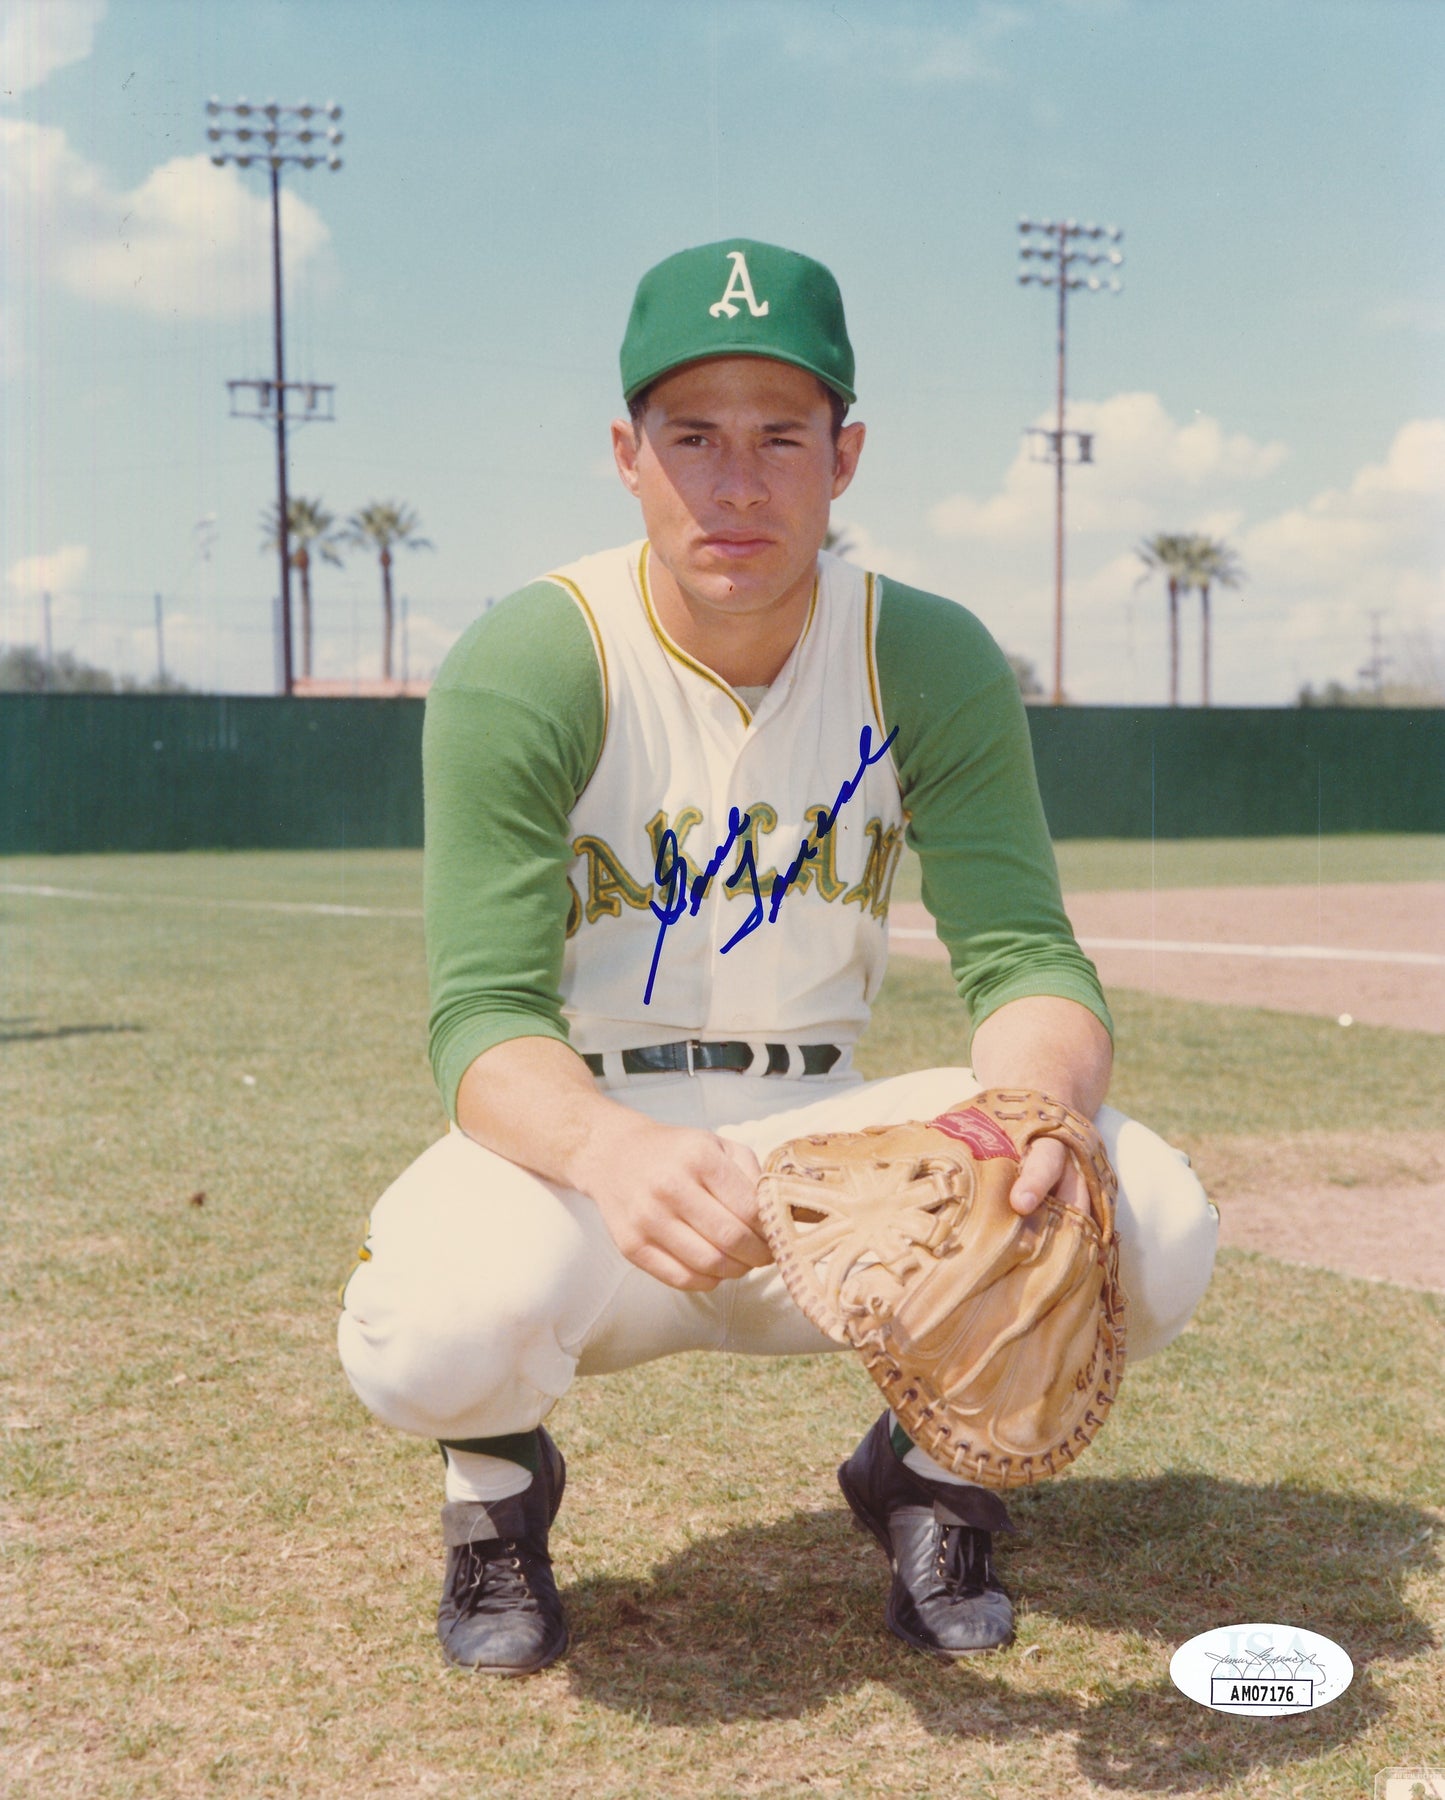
[{"x": 667, "y": 788}]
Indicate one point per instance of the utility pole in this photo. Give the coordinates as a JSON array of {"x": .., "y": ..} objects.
[
  {"x": 49, "y": 643},
  {"x": 1374, "y": 669},
  {"x": 1053, "y": 244},
  {"x": 160, "y": 644},
  {"x": 277, "y": 144}
]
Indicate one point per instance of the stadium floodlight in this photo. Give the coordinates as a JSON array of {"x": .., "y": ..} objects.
[
  {"x": 287, "y": 139},
  {"x": 1056, "y": 244}
]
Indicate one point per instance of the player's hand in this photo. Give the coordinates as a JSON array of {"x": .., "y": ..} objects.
[
  {"x": 1047, "y": 1168},
  {"x": 680, "y": 1204}
]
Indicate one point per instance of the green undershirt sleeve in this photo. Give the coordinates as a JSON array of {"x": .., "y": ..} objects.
[
  {"x": 513, "y": 731},
  {"x": 974, "y": 815}
]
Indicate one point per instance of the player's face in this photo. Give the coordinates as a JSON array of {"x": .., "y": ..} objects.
[{"x": 735, "y": 466}]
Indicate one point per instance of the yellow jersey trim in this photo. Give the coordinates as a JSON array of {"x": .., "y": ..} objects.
[
  {"x": 812, "y": 610},
  {"x": 672, "y": 649},
  {"x": 870, "y": 625},
  {"x": 572, "y": 588}
]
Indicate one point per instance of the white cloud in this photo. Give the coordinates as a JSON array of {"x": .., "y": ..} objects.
[
  {"x": 428, "y": 641},
  {"x": 37, "y": 37},
  {"x": 1374, "y": 547},
  {"x": 1321, "y": 577},
  {"x": 191, "y": 241},
  {"x": 863, "y": 548},
  {"x": 54, "y": 571},
  {"x": 59, "y": 573},
  {"x": 1414, "y": 467},
  {"x": 354, "y": 654},
  {"x": 1390, "y": 518},
  {"x": 1147, "y": 466},
  {"x": 900, "y": 47}
]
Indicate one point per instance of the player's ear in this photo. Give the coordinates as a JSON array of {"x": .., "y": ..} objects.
[
  {"x": 846, "y": 452},
  {"x": 626, "y": 441}
]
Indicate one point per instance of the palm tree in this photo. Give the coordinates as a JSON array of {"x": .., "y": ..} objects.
[
  {"x": 1212, "y": 563},
  {"x": 309, "y": 523},
  {"x": 1168, "y": 553},
  {"x": 382, "y": 524}
]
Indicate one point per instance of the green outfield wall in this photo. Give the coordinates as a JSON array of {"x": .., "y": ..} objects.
[
  {"x": 1179, "y": 772},
  {"x": 194, "y": 771},
  {"x": 85, "y": 772}
]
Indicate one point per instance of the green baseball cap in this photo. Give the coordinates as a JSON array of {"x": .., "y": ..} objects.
[{"x": 737, "y": 298}]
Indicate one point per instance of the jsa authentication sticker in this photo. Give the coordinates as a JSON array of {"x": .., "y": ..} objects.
[
  {"x": 1263, "y": 1670},
  {"x": 1416, "y": 1783}
]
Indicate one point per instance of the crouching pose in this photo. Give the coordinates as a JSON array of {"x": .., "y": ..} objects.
[{"x": 667, "y": 786}]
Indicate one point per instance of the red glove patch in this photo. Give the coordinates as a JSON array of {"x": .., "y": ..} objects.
[{"x": 983, "y": 1135}]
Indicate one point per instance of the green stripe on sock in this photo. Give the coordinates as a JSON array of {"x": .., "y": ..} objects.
[
  {"x": 900, "y": 1441},
  {"x": 523, "y": 1447}
]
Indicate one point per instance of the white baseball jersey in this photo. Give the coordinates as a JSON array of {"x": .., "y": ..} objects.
[{"x": 785, "y": 828}]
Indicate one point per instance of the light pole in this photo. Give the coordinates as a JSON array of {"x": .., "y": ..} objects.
[
  {"x": 1050, "y": 253},
  {"x": 277, "y": 135}
]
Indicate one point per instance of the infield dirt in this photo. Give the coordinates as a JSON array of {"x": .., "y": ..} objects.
[
  {"x": 1342, "y": 928},
  {"x": 1369, "y": 1204}
]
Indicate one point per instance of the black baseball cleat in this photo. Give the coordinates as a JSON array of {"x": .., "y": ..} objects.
[
  {"x": 938, "y": 1538},
  {"x": 500, "y": 1611}
]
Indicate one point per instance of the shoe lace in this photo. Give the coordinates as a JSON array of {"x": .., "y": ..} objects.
[
  {"x": 495, "y": 1579},
  {"x": 963, "y": 1563}
]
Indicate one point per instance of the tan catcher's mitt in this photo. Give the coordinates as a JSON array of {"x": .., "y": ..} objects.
[{"x": 998, "y": 1340}]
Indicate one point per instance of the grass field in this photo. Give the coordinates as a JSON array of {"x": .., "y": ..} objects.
[
  {"x": 1096, "y": 864},
  {"x": 217, "y": 1576}
]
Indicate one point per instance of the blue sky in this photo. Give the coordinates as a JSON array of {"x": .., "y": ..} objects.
[{"x": 1274, "y": 370}]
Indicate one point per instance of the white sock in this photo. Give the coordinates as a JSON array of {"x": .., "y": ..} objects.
[
  {"x": 471, "y": 1476},
  {"x": 925, "y": 1465}
]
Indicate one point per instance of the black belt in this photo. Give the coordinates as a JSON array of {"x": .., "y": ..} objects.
[{"x": 689, "y": 1057}]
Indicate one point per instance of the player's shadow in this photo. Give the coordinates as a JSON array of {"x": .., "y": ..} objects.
[{"x": 778, "y": 1621}]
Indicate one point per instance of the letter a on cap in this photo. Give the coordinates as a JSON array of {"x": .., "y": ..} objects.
[
  {"x": 736, "y": 297},
  {"x": 739, "y": 287}
]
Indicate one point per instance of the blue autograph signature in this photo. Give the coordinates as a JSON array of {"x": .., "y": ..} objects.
[{"x": 679, "y": 896}]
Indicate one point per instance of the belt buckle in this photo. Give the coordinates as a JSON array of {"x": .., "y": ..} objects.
[{"x": 692, "y": 1046}]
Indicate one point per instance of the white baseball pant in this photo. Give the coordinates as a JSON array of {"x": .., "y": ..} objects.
[{"x": 483, "y": 1291}]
